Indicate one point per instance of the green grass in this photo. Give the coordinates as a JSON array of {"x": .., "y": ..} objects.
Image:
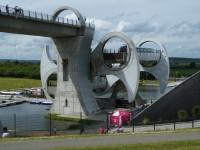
[
  {"x": 183, "y": 72},
  {"x": 69, "y": 119},
  {"x": 18, "y": 83},
  {"x": 175, "y": 145}
]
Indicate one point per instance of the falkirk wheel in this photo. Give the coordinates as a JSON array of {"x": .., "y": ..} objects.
[{"x": 77, "y": 66}]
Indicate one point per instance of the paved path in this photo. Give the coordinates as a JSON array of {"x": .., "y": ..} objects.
[{"x": 52, "y": 142}]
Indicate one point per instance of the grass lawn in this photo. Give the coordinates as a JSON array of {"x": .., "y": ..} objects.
[
  {"x": 172, "y": 145},
  {"x": 18, "y": 83},
  {"x": 175, "y": 145}
]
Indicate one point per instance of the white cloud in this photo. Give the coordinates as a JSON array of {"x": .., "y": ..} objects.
[
  {"x": 122, "y": 25},
  {"x": 101, "y": 28},
  {"x": 145, "y": 27},
  {"x": 100, "y": 24},
  {"x": 186, "y": 29},
  {"x": 71, "y": 16},
  {"x": 16, "y": 46}
]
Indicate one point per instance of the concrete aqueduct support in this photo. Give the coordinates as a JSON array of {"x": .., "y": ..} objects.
[
  {"x": 128, "y": 73},
  {"x": 74, "y": 93},
  {"x": 161, "y": 69},
  {"x": 74, "y": 89},
  {"x": 131, "y": 78}
]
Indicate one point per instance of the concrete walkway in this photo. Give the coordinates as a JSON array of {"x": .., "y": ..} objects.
[{"x": 52, "y": 142}]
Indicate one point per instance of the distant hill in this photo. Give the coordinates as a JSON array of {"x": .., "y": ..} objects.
[
  {"x": 12, "y": 60},
  {"x": 171, "y": 59},
  {"x": 180, "y": 63},
  {"x": 179, "y": 59}
]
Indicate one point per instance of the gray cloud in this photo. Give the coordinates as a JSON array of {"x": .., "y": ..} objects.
[
  {"x": 186, "y": 28},
  {"x": 144, "y": 27},
  {"x": 176, "y": 26},
  {"x": 122, "y": 15},
  {"x": 186, "y": 51}
]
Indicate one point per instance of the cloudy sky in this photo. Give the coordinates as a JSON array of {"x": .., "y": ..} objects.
[{"x": 174, "y": 22}]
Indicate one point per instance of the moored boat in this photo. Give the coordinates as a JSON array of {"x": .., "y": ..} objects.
[
  {"x": 35, "y": 102},
  {"x": 46, "y": 103}
]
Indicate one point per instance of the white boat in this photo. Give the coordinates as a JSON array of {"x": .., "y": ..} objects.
[
  {"x": 46, "y": 103},
  {"x": 5, "y": 97},
  {"x": 10, "y": 95},
  {"x": 35, "y": 102}
]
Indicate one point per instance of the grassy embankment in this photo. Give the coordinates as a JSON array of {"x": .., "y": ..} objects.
[{"x": 18, "y": 83}]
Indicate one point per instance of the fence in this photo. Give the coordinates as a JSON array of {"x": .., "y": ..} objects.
[
  {"x": 39, "y": 125},
  {"x": 165, "y": 125},
  {"x": 19, "y": 12}
]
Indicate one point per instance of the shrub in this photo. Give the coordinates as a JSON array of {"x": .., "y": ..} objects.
[
  {"x": 196, "y": 111},
  {"x": 145, "y": 121},
  {"x": 74, "y": 127},
  {"x": 182, "y": 115}
]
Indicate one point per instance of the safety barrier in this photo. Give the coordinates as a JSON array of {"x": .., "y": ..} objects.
[{"x": 19, "y": 12}]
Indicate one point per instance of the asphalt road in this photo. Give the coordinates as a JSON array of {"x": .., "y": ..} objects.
[{"x": 52, "y": 142}]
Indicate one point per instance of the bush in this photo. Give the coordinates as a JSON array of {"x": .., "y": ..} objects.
[
  {"x": 145, "y": 121},
  {"x": 74, "y": 127},
  {"x": 182, "y": 115},
  {"x": 196, "y": 111}
]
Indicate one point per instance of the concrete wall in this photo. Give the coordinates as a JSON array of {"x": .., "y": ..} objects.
[{"x": 184, "y": 96}]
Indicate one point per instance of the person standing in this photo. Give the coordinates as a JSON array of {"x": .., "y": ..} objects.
[
  {"x": 5, "y": 133},
  {"x": 7, "y": 9},
  {"x": 121, "y": 130},
  {"x": 54, "y": 131},
  {"x": 108, "y": 130},
  {"x": 116, "y": 129},
  {"x": 82, "y": 129},
  {"x": 101, "y": 130}
]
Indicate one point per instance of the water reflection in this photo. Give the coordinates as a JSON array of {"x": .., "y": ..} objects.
[
  {"x": 24, "y": 109},
  {"x": 152, "y": 92},
  {"x": 24, "y": 117}
]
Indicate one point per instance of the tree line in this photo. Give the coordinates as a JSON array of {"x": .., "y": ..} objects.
[
  {"x": 18, "y": 69},
  {"x": 31, "y": 70}
]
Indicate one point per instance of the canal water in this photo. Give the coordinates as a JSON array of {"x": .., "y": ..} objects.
[
  {"x": 152, "y": 92},
  {"x": 25, "y": 109},
  {"x": 28, "y": 116},
  {"x": 24, "y": 116},
  {"x": 147, "y": 92}
]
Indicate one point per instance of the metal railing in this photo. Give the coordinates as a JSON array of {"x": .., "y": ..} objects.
[
  {"x": 144, "y": 54},
  {"x": 21, "y": 13},
  {"x": 148, "y": 54}
]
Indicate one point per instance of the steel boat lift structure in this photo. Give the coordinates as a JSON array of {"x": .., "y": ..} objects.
[{"x": 76, "y": 62}]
